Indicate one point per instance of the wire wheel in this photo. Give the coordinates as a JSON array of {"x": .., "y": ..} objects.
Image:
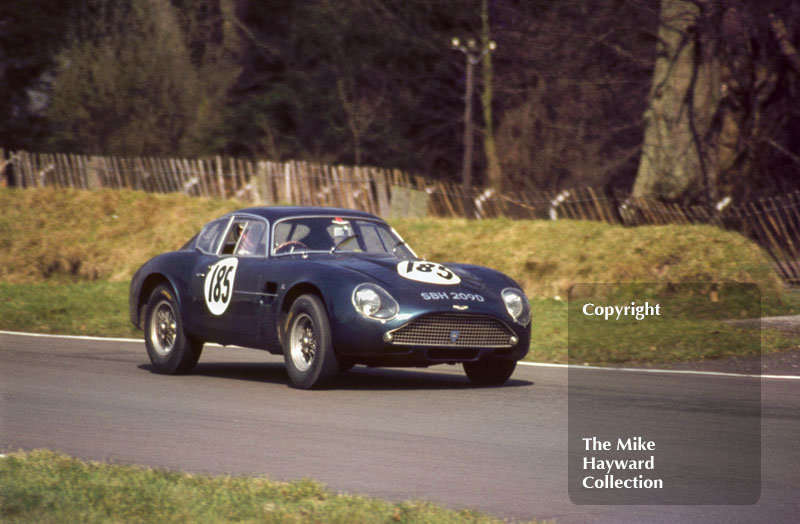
[
  {"x": 307, "y": 346},
  {"x": 170, "y": 350},
  {"x": 163, "y": 328},
  {"x": 303, "y": 342}
]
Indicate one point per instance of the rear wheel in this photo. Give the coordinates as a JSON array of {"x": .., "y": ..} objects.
[
  {"x": 308, "y": 350},
  {"x": 168, "y": 347},
  {"x": 489, "y": 372}
]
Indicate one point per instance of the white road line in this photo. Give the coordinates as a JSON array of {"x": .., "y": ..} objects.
[
  {"x": 653, "y": 370},
  {"x": 538, "y": 364},
  {"x": 69, "y": 337}
]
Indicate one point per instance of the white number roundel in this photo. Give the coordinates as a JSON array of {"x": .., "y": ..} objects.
[
  {"x": 427, "y": 272},
  {"x": 218, "y": 286}
]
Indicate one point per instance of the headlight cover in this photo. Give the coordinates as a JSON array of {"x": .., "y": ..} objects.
[
  {"x": 517, "y": 305},
  {"x": 374, "y": 302}
]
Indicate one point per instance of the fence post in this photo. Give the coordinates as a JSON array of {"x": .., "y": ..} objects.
[
  {"x": 92, "y": 178},
  {"x": 220, "y": 179},
  {"x": 24, "y": 171},
  {"x": 262, "y": 183},
  {"x": 381, "y": 189},
  {"x": 5, "y": 172},
  {"x": 287, "y": 178}
]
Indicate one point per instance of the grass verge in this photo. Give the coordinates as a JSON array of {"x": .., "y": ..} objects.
[
  {"x": 45, "y": 487},
  {"x": 96, "y": 308},
  {"x": 99, "y": 308}
]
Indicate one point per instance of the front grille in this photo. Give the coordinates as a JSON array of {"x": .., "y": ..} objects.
[{"x": 454, "y": 330}]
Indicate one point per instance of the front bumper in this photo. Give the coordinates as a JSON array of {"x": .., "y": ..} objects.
[{"x": 431, "y": 338}]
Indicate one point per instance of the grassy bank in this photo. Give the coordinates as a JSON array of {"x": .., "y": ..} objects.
[
  {"x": 44, "y": 487},
  {"x": 66, "y": 258},
  {"x": 548, "y": 257},
  {"x": 50, "y": 234}
]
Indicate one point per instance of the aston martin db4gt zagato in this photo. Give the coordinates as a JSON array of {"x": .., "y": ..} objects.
[{"x": 329, "y": 289}]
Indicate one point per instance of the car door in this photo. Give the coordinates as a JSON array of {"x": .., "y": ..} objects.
[{"x": 227, "y": 282}]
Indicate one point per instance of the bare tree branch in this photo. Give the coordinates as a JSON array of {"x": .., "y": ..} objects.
[{"x": 782, "y": 34}]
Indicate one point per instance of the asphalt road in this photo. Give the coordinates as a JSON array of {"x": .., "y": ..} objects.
[{"x": 396, "y": 434}]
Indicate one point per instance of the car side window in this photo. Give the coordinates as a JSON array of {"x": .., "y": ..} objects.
[
  {"x": 372, "y": 239},
  {"x": 245, "y": 237},
  {"x": 252, "y": 238},
  {"x": 392, "y": 244},
  {"x": 208, "y": 239}
]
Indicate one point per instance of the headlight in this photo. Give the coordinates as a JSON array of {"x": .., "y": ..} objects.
[
  {"x": 517, "y": 305},
  {"x": 374, "y": 302}
]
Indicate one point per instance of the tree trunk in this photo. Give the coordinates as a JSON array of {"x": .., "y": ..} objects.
[
  {"x": 684, "y": 98},
  {"x": 466, "y": 168},
  {"x": 495, "y": 174}
]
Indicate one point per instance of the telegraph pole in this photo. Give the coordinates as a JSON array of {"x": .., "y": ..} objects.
[{"x": 473, "y": 53}]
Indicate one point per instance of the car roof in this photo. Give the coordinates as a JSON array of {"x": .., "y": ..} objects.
[{"x": 273, "y": 213}]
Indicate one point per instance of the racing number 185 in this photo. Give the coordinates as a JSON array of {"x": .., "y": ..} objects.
[
  {"x": 219, "y": 285},
  {"x": 220, "y": 278},
  {"x": 428, "y": 267}
]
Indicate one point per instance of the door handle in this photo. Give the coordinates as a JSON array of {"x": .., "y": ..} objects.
[{"x": 201, "y": 275}]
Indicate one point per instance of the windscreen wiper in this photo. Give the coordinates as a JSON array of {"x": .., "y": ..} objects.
[
  {"x": 398, "y": 244},
  {"x": 343, "y": 242}
]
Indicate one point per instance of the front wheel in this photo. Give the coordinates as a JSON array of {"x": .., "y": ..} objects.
[
  {"x": 308, "y": 350},
  {"x": 489, "y": 372},
  {"x": 168, "y": 347}
]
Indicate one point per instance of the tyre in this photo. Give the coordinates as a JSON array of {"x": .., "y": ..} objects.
[
  {"x": 168, "y": 347},
  {"x": 308, "y": 350},
  {"x": 489, "y": 372}
]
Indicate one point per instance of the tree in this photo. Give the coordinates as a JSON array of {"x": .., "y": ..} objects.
[
  {"x": 573, "y": 79},
  {"x": 494, "y": 170},
  {"x": 214, "y": 43},
  {"x": 31, "y": 32},
  {"x": 683, "y": 100},
  {"x": 722, "y": 115},
  {"x": 369, "y": 81},
  {"x": 126, "y": 84}
]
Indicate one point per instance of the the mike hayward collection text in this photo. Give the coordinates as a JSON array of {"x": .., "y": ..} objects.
[{"x": 607, "y": 467}]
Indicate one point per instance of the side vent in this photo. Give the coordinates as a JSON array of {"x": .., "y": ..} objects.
[{"x": 270, "y": 293}]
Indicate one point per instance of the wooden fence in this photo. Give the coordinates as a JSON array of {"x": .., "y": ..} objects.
[
  {"x": 772, "y": 222},
  {"x": 257, "y": 182}
]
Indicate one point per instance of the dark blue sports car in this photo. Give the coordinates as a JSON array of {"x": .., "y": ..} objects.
[{"x": 328, "y": 289}]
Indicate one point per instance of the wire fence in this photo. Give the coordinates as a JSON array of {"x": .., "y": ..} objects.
[{"x": 772, "y": 222}]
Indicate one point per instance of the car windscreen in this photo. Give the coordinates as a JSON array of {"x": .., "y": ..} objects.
[
  {"x": 209, "y": 238},
  {"x": 341, "y": 234}
]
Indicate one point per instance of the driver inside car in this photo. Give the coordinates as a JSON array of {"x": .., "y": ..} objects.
[{"x": 248, "y": 242}]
